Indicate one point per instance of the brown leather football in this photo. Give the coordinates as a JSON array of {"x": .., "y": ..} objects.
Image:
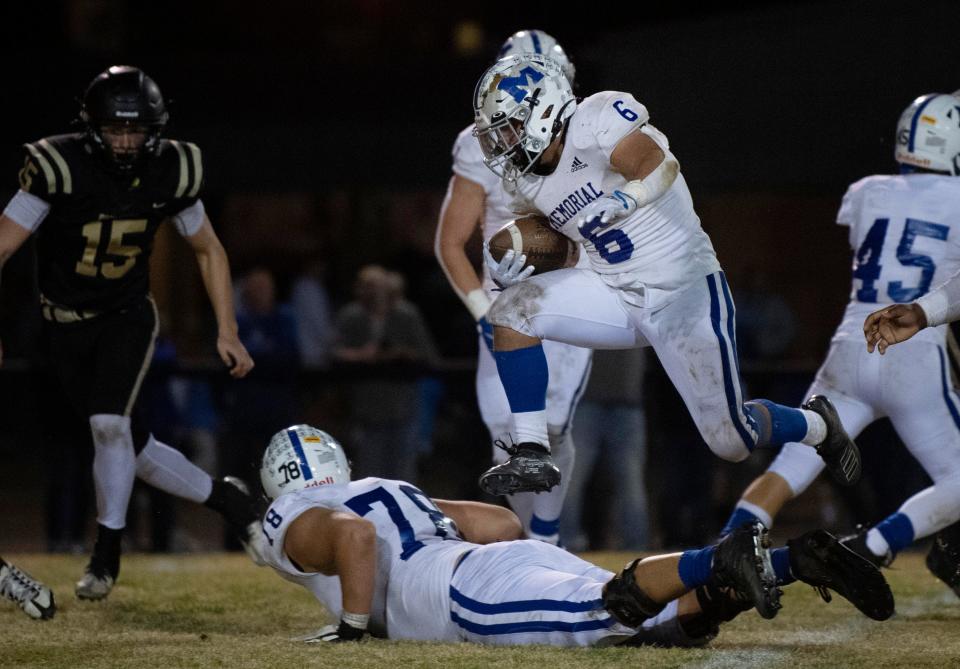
[{"x": 546, "y": 249}]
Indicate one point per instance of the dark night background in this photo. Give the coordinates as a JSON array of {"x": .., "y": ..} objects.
[{"x": 326, "y": 130}]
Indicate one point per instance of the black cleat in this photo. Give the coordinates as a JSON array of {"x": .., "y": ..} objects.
[
  {"x": 529, "y": 469},
  {"x": 838, "y": 450},
  {"x": 943, "y": 560},
  {"x": 742, "y": 564},
  {"x": 857, "y": 542},
  {"x": 819, "y": 559}
]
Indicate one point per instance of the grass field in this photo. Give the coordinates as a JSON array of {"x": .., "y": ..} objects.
[{"x": 220, "y": 611}]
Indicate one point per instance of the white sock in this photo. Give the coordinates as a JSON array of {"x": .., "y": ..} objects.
[
  {"x": 816, "y": 428},
  {"x": 114, "y": 468},
  {"x": 167, "y": 469},
  {"x": 876, "y": 543},
  {"x": 757, "y": 511},
  {"x": 531, "y": 426}
]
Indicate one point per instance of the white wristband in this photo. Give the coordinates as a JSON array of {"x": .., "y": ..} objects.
[
  {"x": 477, "y": 303},
  {"x": 357, "y": 620},
  {"x": 655, "y": 184}
]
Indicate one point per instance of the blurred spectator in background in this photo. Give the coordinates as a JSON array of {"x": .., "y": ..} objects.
[
  {"x": 310, "y": 302},
  {"x": 381, "y": 326},
  {"x": 610, "y": 432},
  {"x": 268, "y": 397},
  {"x": 766, "y": 324}
]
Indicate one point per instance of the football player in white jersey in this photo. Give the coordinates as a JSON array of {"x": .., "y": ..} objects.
[
  {"x": 383, "y": 557},
  {"x": 605, "y": 177},
  {"x": 905, "y": 237},
  {"x": 475, "y": 197}
]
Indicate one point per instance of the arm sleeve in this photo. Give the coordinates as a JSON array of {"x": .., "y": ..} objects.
[
  {"x": 942, "y": 305},
  {"x": 26, "y": 210},
  {"x": 189, "y": 221}
]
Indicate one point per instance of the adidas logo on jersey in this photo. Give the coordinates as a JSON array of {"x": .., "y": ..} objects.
[{"x": 577, "y": 164}]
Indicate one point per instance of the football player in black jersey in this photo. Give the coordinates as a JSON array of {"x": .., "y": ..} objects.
[{"x": 100, "y": 196}]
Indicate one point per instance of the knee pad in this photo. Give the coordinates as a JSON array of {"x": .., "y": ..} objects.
[
  {"x": 626, "y": 601},
  {"x": 515, "y": 306}
]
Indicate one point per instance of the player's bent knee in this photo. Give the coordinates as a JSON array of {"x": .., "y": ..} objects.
[
  {"x": 626, "y": 601},
  {"x": 515, "y": 306}
]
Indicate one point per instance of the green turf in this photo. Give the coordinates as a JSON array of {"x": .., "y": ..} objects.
[{"x": 221, "y": 611}]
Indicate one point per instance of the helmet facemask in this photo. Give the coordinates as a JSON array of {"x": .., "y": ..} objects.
[
  {"x": 520, "y": 105},
  {"x": 125, "y": 100}
]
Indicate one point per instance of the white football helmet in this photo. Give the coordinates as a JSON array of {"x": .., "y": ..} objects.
[
  {"x": 537, "y": 41},
  {"x": 302, "y": 457},
  {"x": 928, "y": 134},
  {"x": 519, "y": 106}
]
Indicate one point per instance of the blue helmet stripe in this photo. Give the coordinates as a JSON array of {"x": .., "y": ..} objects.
[
  {"x": 916, "y": 119},
  {"x": 536, "y": 41},
  {"x": 298, "y": 447}
]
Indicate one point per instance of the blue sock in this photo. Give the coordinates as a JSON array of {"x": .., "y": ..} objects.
[
  {"x": 737, "y": 518},
  {"x": 897, "y": 530},
  {"x": 545, "y": 528},
  {"x": 694, "y": 567},
  {"x": 786, "y": 423},
  {"x": 780, "y": 557},
  {"x": 523, "y": 373}
]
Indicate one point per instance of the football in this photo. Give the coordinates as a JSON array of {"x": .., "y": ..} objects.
[{"x": 545, "y": 248}]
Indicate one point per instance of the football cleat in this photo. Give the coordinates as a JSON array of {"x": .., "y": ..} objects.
[
  {"x": 819, "y": 559},
  {"x": 742, "y": 563},
  {"x": 857, "y": 542},
  {"x": 251, "y": 535},
  {"x": 529, "y": 469},
  {"x": 97, "y": 581},
  {"x": 943, "y": 560},
  {"x": 838, "y": 450},
  {"x": 31, "y": 595}
]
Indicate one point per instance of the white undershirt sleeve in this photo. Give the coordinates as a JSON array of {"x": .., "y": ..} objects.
[
  {"x": 942, "y": 305},
  {"x": 189, "y": 221},
  {"x": 26, "y": 210}
]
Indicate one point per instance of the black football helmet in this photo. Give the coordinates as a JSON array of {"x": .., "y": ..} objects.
[{"x": 124, "y": 95}]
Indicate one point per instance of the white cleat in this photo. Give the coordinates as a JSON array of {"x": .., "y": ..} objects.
[
  {"x": 31, "y": 595},
  {"x": 94, "y": 587}
]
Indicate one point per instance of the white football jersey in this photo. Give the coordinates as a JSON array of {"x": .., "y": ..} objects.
[
  {"x": 905, "y": 236},
  {"x": 499, "y": 207},
  {"x": 406, "y": 521},
  {"x": 658, "y": 250}
]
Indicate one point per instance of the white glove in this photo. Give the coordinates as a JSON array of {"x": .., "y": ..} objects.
[
  {"x": 608, "y": 209},
  {"x": 509, "y": 270}
]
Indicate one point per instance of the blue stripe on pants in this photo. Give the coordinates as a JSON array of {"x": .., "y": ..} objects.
[{"x": 733, "y": 403}]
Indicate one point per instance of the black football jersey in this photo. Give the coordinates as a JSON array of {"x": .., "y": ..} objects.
[{"x": 93, "y": 248}]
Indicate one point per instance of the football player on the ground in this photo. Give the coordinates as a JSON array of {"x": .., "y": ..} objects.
[
  {"x": 605, "y": 177},
  {"x": 95, "y": 200},
  {"x": 475, "y": 197},
  {"x": 905, "y": 236},
  {"x": 383, "y": 557},
  {"x": 31, "y": 595}
]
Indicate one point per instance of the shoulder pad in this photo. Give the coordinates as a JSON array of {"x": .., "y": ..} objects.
[
  {"x": 189, "y": 167},
  {"x": 46, "y": 170}
]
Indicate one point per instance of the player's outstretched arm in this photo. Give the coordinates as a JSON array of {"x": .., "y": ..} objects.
[
  {"x": 893, "y": 325},
  {"x": 339, "y": 544},
  {"x": 215, "y": 270},
  {"x": 12, "y": 237},
  {"x": 482, "y": 523}
]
